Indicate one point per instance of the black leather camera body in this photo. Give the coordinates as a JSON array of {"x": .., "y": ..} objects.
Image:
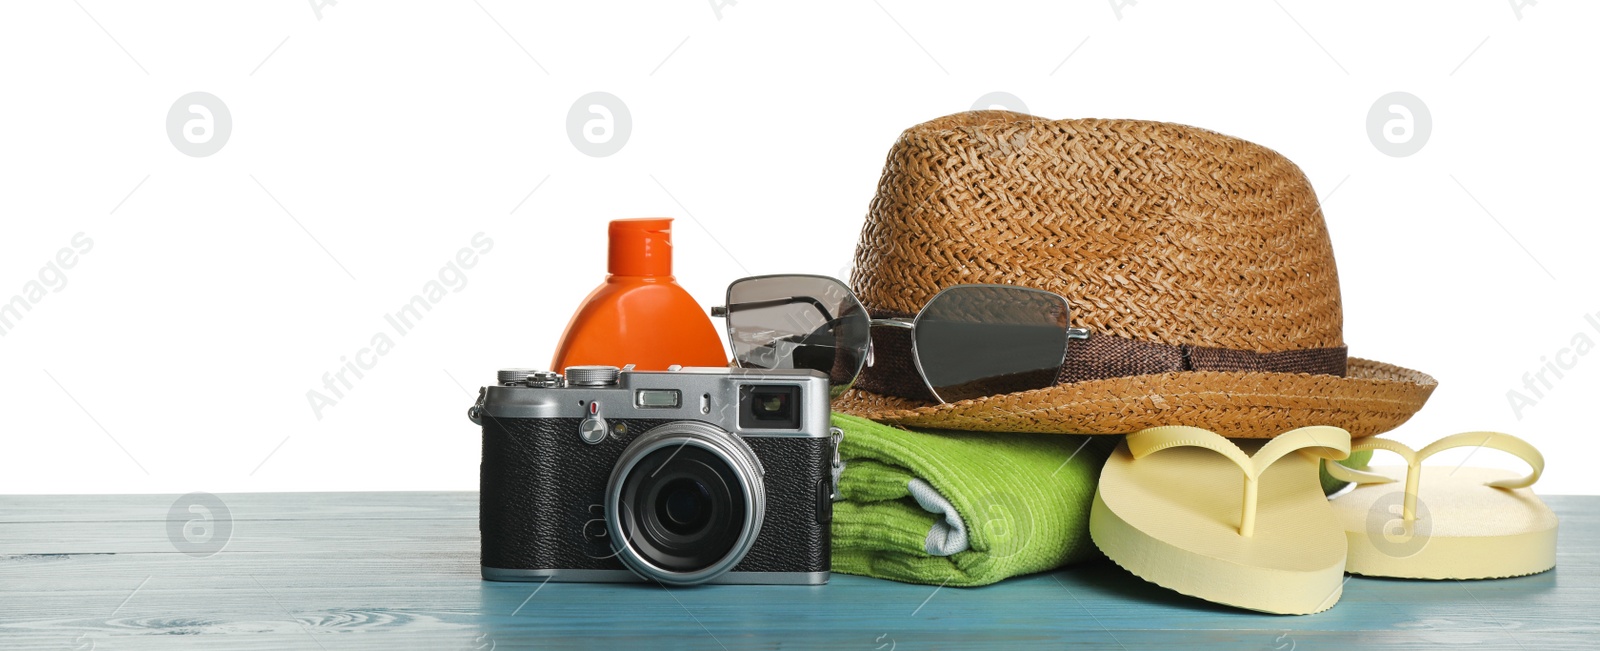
[{"x": 686, "y": 476}]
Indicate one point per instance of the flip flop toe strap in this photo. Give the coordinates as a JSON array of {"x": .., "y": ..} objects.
[
  {"x": 1414, "y": 458},
  {"x": 1317, "y": 442}
]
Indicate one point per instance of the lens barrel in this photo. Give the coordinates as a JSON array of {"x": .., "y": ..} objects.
[{"x": 685, "y": 503}]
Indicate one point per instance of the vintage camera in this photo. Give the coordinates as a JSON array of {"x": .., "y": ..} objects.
[{"x": 683, "y": 476}]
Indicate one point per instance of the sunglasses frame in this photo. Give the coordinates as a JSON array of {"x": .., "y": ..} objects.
[{"x": 865, "y": 359}]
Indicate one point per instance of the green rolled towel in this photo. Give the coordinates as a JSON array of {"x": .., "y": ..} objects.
[
  {"x": 959, "y": 508},
  {"x": 1357, "y": 460}
]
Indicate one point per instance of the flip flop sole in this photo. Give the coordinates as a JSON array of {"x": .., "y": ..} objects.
[
  {"x": 1464, "y": 529},
  {"x": 1149, "y": 518}
]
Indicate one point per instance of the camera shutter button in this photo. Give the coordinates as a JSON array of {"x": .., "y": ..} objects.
[{"x": 593, "y": 429}]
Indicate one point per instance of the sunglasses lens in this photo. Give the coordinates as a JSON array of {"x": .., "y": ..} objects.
[
  {"x": 985, "y": 340},
  {"x": 798, "y": 322}
]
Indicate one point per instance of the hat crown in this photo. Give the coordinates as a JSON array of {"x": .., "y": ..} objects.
[{"x": 1152, "y": 231}]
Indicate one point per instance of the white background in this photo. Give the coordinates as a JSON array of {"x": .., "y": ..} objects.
[{"x": 178, "y": 354}]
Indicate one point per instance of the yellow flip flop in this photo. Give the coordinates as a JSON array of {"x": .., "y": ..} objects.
[
  {"x": 1470, "y": 523},
  {"x": 1172, "y": 511}
]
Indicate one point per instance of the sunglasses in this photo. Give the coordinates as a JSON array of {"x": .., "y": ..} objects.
[{"x": 967, "y": 341}]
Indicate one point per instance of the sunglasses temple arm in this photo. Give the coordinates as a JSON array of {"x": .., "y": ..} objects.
[
  {"x": 720, "y": 311},
  {"x": 1072, "y": 333}
]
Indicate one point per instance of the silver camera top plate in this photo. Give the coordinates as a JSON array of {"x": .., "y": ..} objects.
[{"x": 710, "y": 394}]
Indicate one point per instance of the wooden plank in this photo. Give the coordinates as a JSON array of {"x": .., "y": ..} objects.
[
  {"x": 264, "y": 506},
  {"x": 309, "y": 571},
  {"x": 125, "y": 537}
]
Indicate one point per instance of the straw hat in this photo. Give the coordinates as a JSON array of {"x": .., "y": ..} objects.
[{"x": 1200, "y": 263}]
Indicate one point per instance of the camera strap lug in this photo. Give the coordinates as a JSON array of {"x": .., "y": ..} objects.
[
  {"x": 838, "y": 464},
  {"x": 475, "y": 412}
]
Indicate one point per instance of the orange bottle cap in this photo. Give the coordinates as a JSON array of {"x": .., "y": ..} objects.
[{"x": 640, "y": 247}]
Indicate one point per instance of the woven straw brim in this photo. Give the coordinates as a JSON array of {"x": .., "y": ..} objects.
[{"x": 1371, "y": 398}]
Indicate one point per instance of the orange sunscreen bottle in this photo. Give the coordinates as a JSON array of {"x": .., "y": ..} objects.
[{"x": 640, "y": 315}]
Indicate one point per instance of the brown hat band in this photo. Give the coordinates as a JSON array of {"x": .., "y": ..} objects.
[{"x": 1100, "y": 357}]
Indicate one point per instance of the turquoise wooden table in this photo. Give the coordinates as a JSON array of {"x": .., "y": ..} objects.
[{"x": 400, "y": 570}]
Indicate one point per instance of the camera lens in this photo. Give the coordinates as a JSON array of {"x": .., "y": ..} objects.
[
  {"x": 684, "y": 506},
  {"x": 685, "y": 503}
]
